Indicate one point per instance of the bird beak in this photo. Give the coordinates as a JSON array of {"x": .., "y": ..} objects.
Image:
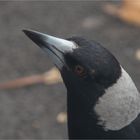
[{"x": 55, "y": 47}]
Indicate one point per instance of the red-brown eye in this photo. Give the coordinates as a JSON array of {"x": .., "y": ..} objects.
[{"x": 79, "y": 70}]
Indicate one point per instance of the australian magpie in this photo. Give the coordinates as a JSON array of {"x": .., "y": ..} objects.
[{"x": 102, "y": 100}]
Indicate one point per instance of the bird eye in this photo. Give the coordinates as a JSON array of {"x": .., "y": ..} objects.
[{"x": 79, "y": 70}]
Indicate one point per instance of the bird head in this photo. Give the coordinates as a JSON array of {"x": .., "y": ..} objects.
[{"x": 82, "y": 63}]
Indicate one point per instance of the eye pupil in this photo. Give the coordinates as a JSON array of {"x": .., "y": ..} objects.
[{"x": 79, "y": 70}]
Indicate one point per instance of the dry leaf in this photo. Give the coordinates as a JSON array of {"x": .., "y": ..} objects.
[{"x": 128, "y": 11}]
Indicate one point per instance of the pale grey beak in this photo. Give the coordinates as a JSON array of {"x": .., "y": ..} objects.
[{"x": 55, "y": 47}]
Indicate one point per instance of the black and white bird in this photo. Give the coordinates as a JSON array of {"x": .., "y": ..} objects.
[{"x": 102, "y": 100}]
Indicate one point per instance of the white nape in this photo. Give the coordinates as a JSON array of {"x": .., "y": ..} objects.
[{"x": 120, "y": 104}]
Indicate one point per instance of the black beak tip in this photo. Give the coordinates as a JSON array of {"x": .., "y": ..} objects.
[
  {"x": 34, "y": 36},
  {"x": 24, "y": 30},
  {"x": 29, "y": 33}
]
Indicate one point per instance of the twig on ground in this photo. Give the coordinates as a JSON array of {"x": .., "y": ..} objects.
[{"x": 50, "y": 77}]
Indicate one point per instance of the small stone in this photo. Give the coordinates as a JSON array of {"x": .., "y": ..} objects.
[
  {"x": 92, "y": 22},
  {"x": 137, "y": 54},
  {"x": 62, "y": 117},
  {"x": 36, "y": 124}
]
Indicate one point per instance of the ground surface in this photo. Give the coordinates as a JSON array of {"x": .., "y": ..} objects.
[{"x": 31, "y": 112}]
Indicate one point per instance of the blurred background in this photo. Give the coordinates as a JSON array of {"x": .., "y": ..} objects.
[{"x": 37, "y": 111}]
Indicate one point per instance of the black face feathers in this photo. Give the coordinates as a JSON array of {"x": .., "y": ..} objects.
[{"x": 99, "y": 65}]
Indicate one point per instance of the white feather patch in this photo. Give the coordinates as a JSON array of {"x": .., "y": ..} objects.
[{"x": 120, "y": 104}]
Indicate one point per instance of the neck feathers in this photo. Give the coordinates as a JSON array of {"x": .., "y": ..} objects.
[{"x": 120, "y": 104}]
